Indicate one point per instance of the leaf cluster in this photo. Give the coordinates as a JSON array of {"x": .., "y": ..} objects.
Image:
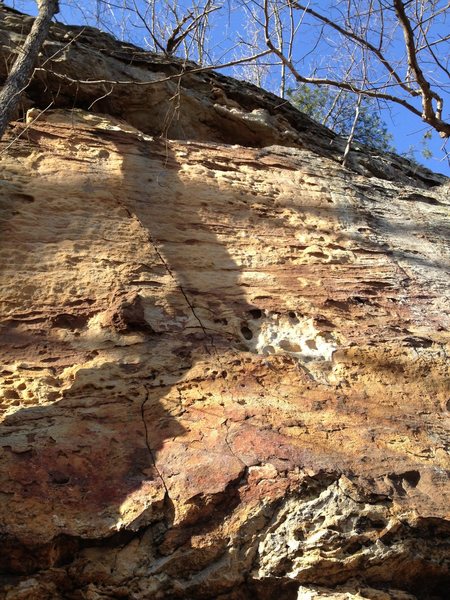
[{"x": 336, "y": 109}]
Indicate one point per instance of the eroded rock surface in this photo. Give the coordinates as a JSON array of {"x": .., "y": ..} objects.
[{"x": 225, "y": 368}]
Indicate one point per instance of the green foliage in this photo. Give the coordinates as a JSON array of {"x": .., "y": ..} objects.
[
  {"x": 426, "y": 151},
  {"x": 410, "y": 154},
  {"x": 336, "y": 109}
]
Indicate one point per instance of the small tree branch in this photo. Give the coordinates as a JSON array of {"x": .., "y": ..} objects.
[
  {"x": 141, "y": 17},
  {"x": 176, "y": 76},
  {"x": 351, "y": 135}
]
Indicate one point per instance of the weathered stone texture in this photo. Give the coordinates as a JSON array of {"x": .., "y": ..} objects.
[{"x": 225, "y": 368}]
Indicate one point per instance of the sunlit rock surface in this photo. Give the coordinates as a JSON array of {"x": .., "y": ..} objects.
[{"x": 225, "y": 368}]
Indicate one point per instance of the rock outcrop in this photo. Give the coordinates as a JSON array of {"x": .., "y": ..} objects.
[{"x": 225, "y": 357}]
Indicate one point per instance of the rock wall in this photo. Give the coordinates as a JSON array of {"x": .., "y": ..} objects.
[{"x": 225, "y": 357}]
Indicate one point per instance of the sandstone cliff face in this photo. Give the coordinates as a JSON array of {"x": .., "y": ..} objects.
[{"x": 225, "y": 368}]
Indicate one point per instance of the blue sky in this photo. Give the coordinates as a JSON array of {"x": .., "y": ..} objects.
[{"x": 407, "y": 130}]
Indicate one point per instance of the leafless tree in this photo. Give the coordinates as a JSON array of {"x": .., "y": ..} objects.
[
  {"x": 171, "y": 27},
  {"x": 396, "y": 51},
  {"x": 402, "y": 56},
  {"x": 20, "y": 74}
]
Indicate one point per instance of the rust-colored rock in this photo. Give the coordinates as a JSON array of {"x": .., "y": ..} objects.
[{"x": 225, "y": 368}]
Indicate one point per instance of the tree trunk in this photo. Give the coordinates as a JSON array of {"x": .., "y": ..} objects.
[{"x": 22, "y": 70}]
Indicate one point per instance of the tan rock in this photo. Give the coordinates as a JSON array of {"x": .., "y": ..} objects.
[{"x": 225, "y": 369}]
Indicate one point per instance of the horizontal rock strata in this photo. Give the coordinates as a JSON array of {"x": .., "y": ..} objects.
[{"x": 225, "y": 361}]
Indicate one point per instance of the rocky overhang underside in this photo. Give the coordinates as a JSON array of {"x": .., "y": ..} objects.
[{"x": 224, "y": 356}]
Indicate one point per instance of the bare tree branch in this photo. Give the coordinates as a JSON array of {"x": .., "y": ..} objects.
[
  {"x": 421, "y": 86},
  {"x": 371, "y": 93},
  {"x": 147, "y": 27},
  {"x": 352, "y": 132},
  {"x": 184, "y": 71},
  {"x": 178, "y": 35},
  {"x": 429, "y": 115},
  {"x": 348, "y": 33}
]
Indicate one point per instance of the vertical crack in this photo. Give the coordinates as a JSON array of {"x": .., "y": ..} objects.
[
  {"x": 227, "y": 442},
  {"x": 184, "y": 294},
  {"x": 149, "y": 448},
  {"x": 155, "y": 247}
]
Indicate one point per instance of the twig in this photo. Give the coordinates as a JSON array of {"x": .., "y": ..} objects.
[{"x": 351, "y": 135}]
